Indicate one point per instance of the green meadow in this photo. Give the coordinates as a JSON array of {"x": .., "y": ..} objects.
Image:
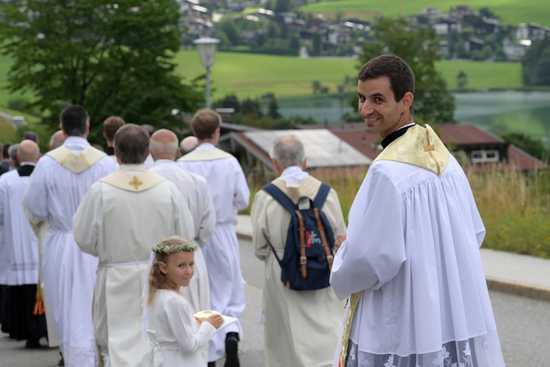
[
  {"x": 511, "y": 12},
  {"x": 251, "y": 75}
]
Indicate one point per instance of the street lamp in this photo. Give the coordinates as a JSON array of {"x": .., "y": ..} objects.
[{"x": 207, "y": 50}]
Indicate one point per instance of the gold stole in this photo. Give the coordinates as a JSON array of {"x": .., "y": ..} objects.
[
  {"x": 204, "y": 155},
  {"x": 76, "y": 163},
  {"x": 134, "y": 183},
  {"x": 419, "y": 146}
]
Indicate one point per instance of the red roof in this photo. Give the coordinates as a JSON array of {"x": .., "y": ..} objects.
[{"x": 460, "y": 135}]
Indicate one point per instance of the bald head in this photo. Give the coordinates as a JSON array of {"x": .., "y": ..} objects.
[
  {"x": 189, "y": 144},
  {"x": 28, "y": 151},
  {"x": 164, "y": 145},
  {"x": 57, "y": 139}
]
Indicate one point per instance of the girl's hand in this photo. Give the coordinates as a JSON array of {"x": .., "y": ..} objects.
[{"x": 215, "y": 320}]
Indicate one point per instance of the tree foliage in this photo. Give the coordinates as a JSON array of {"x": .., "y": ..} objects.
[
  {"x": 461, "y": 80},
  {"x": 113, "y": 59},
  {"x": 536, "y": 63},
  {"x": 418, "y": 47},
  {"x": 526, "y": 143}
]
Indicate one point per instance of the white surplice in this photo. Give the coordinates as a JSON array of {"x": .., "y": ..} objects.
[
  {"x": 177, "y": 336},
  {"x": 119, "y": 227},
  {"x": 230, "y": 193},
  {"x": 412, "y": 249},
  {"x": 197, "y": 194},
  {"x": 20, "y": 242},
  {"x": 53, "y": 196},
  {"x": 292, "y": 317}
]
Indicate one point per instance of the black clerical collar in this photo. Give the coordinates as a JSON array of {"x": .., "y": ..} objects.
[
  {"x": 110, "y": 151},
  {"x": 25, "y": 170},
  {"x": 390, "y": 138}
]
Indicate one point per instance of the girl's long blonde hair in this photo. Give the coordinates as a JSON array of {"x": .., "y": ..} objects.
[{"x": 157, "y": 280}]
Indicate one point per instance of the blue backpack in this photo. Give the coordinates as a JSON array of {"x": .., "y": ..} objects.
[{"x": 307, "y": 259}]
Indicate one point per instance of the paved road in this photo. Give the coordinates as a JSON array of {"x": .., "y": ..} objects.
[{"x": 523, "y": 324}]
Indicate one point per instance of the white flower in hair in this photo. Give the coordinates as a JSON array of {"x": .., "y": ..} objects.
[{"x": 162, "y": 248}]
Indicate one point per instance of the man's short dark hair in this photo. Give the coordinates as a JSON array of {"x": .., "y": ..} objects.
[
  {"x": 205, "y": 122},
  {"x": 5, "y": 154},
  {"x": 74, "y": 120},
  {"x": 30, "y": 135},
  {"x": 394, "y": 68},
  {"x": 132, "y": 144},
  {"x": 111, "y": 126}
]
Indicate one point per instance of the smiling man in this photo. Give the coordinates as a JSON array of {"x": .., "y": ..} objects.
[{"x": 410, "y": 263}]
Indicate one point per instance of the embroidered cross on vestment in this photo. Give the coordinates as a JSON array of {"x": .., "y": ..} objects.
[{"x": 136, "y": 183}]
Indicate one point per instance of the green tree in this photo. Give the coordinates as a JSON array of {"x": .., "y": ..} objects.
[
  {"x": 526, "y": 143},
  {"x": 536, "y": 63},
  {"x": 461, "y": 80},
  {"x": 282, "y": 6},
  {"x": 316, "y": 86},
  {"x": 228, "y": 27},
  {"x": 113, "y": 59},
  {"x": 317, "y": 44},
  {"x": 273, "y": 108},
  {"x": 418, "y": 47}
]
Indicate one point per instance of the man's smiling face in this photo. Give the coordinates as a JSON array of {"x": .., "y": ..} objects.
[{"x": 378, "y": 107}]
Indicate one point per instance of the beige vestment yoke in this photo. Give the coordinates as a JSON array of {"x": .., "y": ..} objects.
[
  {"x": 301, "y": 327},
  {"x": 120, "y": 218}
]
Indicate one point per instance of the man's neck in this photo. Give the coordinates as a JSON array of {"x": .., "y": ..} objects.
[
  {"x": 214, "y": 142},
  {"x": 166, "y": 157},
  {"x": 404, "y": 121}
]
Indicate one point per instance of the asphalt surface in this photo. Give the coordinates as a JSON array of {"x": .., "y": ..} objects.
[{"x": 523, "y": 325}]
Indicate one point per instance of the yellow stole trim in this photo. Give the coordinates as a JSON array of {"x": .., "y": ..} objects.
[
  {"x": 353, "y": 300},
  {"x": 419, "y": 146},
  {"x": 134, "y": 183},
  {"x": 76, "y": 163},
  {"x": 204, "y": 155}
]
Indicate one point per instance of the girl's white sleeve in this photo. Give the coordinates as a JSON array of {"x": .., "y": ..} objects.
[{"x": 182, "y": 324}]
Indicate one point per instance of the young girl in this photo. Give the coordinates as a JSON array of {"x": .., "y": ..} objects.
[{"x": 176, "y": 338}]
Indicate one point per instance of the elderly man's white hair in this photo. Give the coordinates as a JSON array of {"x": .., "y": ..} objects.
[
  {"x": 163, "y": 142},
  {"x": 288, "y": 150}
]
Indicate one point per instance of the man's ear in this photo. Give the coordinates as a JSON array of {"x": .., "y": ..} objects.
[
  {"x": 407, "y": 100},
  {"x": 162, "y": 268}
]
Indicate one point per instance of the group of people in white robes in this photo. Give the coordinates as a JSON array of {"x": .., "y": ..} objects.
[
  {"x": 19, "y": 253},
  {"x": 406, "y": 281}
]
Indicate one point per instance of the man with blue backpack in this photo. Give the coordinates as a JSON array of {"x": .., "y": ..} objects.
[{"x": 294, "y": 220}]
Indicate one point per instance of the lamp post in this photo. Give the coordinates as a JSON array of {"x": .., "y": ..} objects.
[{"x": 207, "y": 50}]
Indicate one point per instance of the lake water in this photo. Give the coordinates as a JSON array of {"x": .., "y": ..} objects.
[{"x": 527, "y": 112}]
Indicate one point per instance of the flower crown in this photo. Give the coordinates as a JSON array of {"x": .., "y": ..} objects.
[{"x": 167, "y": 249}]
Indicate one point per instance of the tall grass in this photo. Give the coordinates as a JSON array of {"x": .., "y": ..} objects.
[{"x": 514, "y": 206}]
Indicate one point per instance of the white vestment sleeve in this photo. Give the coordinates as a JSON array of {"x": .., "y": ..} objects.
[
  {"x": 260, "y": 232},
  {"x": 182, "y": 325},
  {"x": 183, "y": 220},
  {"x": 87, "y": 220},
  {"x": 375, "y": 246},
  {"x": 208, "y": 220},
  {"x": 242, "y": 193},
  {"x": 36, "y": 197},
  {"x": 2, "y": 200}
]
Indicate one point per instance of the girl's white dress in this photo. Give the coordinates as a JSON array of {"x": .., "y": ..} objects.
[{"x": 175, "y": 338}]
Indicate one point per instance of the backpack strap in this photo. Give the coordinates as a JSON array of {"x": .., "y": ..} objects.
[
  {"x": 323, "y": 237},
  {"x": 321, "y": 195},
  {"x": 280, "y": 196},
  {"x": 303, "y": 258}
]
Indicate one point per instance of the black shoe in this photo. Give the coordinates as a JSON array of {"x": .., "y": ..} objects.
[
  {"x": 61, "y": 361},
  {"x": 33, "y": 344},
  {"x": 211, "y": 364},
  {"x": 232, "y": 350}
]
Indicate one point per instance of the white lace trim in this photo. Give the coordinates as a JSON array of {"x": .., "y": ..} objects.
[{"x": 481, "y": 351}]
